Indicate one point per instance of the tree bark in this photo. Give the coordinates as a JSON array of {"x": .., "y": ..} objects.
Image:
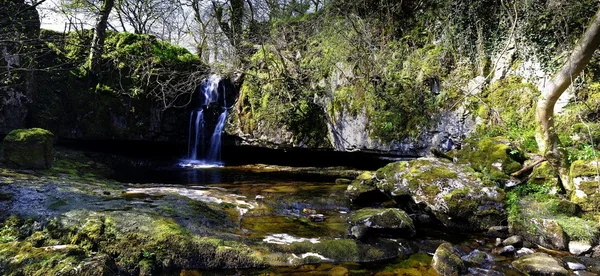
[
  {"x": 99, "y": 35},
  {"x": 546, "y": 134}
]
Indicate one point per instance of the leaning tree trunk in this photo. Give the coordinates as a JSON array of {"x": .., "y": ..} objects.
[
  {"x": 546, "y": 134},
  {"x": 99, "y": 35}
]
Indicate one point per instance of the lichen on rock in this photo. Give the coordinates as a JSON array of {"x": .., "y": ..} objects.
[{"x": 452, "y": 192}]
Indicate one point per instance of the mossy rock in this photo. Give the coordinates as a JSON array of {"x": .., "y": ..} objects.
[
  {"x": 544, "y": 174},
  {"x": 585, "y": 184},
  {"x": 447, "y": 262},
  {"x": 544, "y": 232},
  {"x": 493, "y": 156},
  {"x": 345, "y": 250},
  {"x": 452, "y": 192},
  {"x": 383, "y": 221},
  {"x": 363, "y": 190},
  {"x": 29, "y": 148}
]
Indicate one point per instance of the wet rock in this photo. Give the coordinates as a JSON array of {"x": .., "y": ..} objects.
[
  {"x": 479, "y": 259},
  {"x": 484, "y": 272},
  {"x": 507, "y": 250},
  {"x": 592, "y": 264},
  {"x": 595, "y": 252},
  {"x": 524, "y": 251},
  {"x": 451, "y": 192},
  {"x": 29, "y": 148},
  {"x": 498, "y": 242},
  {"x": 584, "y": 184},
  {"x": 575, "y": 266},
  {"x": 317, "y": 218},
  {"x": 497, "y": 232},
  {"x": 514, "y": 240},
  {"x": 579, "y": 247},
  {"x": 539, "y": 264},
  {"x": 446, "y": 261},
  {"x": 385, "y": 222}
]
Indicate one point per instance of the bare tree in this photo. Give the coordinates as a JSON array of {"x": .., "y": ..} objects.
[
  {"x": 97, "y": 46},
  {"x": 546, "y": 134}
]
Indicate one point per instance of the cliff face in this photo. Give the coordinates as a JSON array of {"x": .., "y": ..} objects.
[
  {"x": 405, "y": 79},
  {"x": 346, "y": 79},
  {"x": 19, "y": 26}
]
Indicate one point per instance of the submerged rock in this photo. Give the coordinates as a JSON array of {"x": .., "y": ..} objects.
[
  {"x": 389, "y": 221},
  {"x": 446, "y": 261},
  {"x": 452, "y": 192},
  {"x": 539, "y": 264},
  {"x": 29, "y": 148}
]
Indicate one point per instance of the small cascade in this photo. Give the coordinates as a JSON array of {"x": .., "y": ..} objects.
[
  {"x": 214, "y": 154},
  {"x": 207, "y": 103}
]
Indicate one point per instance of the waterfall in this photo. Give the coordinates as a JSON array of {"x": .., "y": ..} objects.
[
  {"x": 208, "y": 93},
  {"x": 214, "y": 153}
]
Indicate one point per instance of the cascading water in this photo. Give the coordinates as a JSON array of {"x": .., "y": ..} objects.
[{"x": 198, "y": 157}]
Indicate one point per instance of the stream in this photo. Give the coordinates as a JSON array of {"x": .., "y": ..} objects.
[{"x": 282, "y": 199}]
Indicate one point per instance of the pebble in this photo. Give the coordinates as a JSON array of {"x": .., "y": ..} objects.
[{"x": 498, "y": 242}]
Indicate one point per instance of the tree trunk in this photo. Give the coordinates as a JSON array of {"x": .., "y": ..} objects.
[
  {"x": 99, "y": 35},
  {"x": 546, "y": 134}
]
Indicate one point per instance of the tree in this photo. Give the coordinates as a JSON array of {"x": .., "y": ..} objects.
[
  {"x": 546, "y": 136},
  {"x": 97, "y": 46}
]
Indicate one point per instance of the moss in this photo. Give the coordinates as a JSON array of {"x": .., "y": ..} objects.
[
  {"x": 578, "y": 229},
  {"x": 492, "y": 156},
  {"x": 461, "y": 201},
  {"x": 584, "y": 168},
  {"x": 382, "y": 218},
  {"x": 29, "y": 148},
  {"x": 29, "y": 135},
  {"x": 339, "y": 250}
]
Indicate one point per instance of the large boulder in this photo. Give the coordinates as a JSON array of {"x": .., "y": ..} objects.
[
  {"x": 388, "y": 221},
  {"x": 584, "y": 179},
  {"x": 452, "y": 192},
  {"x": 29, "y": 148},
  {"x": 539, "y": 264}
]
